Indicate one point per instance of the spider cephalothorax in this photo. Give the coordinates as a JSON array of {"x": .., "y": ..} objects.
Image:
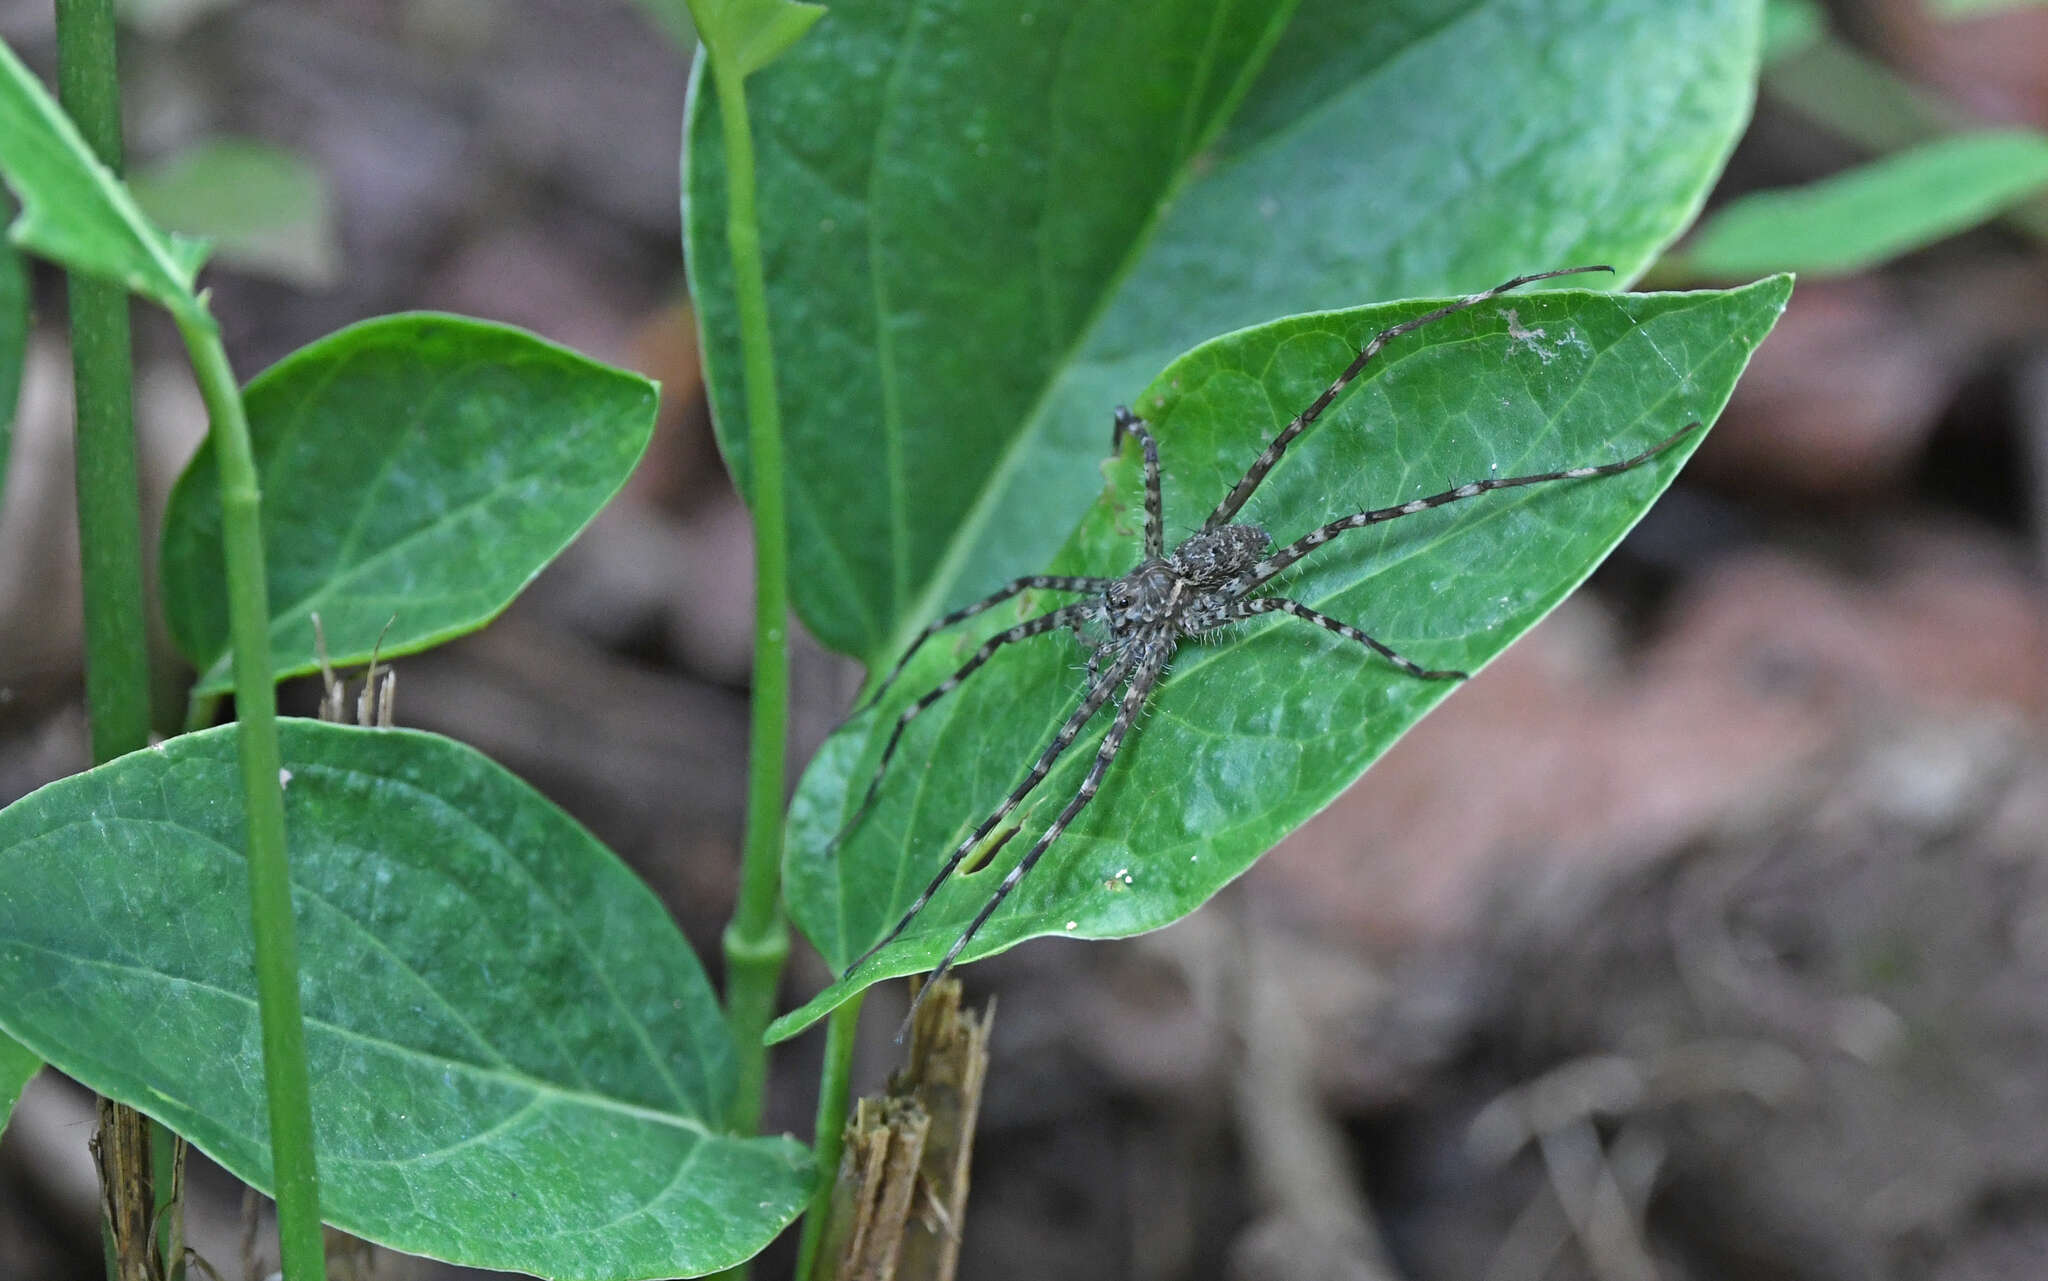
[
  {"x": 1180, "y": 594},
  {"x": 1211, "y": 580}
]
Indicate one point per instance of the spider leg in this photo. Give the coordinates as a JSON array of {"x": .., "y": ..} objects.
[
  {"x": 1264, "y": 571},
  {"x": 1091, "y": 703},
  {"x": 1143, "y": 678},
  {"x": 1236, "y": 498},
  {"x": 1240, "y": 611},
  {"x": 1015, "y": 587},
  {"x": 1155, "y": 507},
  {"x": 1065, "y": 616}
]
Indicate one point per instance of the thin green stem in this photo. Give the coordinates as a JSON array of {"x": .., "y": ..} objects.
[
  {"x": 828, "y": 1134},
  {"x": 117, "y": 693},
  {"x": 270, "y": 900},
  {"x": 109, "y": 504},
  {"x": 200, "y": 710},
  {"x": 167, "y": 1154},
  {"x": 757, "y": 940}
]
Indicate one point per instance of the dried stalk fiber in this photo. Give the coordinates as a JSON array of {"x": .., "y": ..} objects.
[
  {"x": 127, "y": 1197},
  {"x": 901, "y": 1191},
  {"x": 142, "y": 1195}
]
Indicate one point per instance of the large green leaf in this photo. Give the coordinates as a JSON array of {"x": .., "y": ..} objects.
[
  {"x": 72, "y": 208},
  {"x": 987, "y": 222},
  {"x": 1858, "y": 219},
  {"x": 417, "y": 472},
  {"x": 1247, "y": 738},
  {"x": 517, "y": 1062},
  {"x": 18, "y": 1064}
]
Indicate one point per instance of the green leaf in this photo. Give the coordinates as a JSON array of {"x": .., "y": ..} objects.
[
  {"x": 1955, "y": 9},
  {"x": 73, "y": 210},
  {"x": 517, "y": 1061},
  {"x": 18, "y": 1066},
  {"x": 1247, "y": 738},
  {"x": 1858, "y": 219},
  {"x": 264, "y": 209},
  {"x": 417, "y": 472},
  {"x": 987, "y": 227},
  {"x": 746, "y": 35},
  {"x": 1791, "y": 26}
]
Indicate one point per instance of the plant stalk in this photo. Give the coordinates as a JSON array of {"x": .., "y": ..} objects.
[
  {"x": 757, "y": 941},
  {"x": 117, "y": 686},
  {"x": 117, "y": 695},
  {"x": 828, "y": 1134},
  {"x": 286, "y": 1078}
]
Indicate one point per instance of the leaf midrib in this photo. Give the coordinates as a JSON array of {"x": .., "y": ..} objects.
[
  {"x": 538, "y": 1086},
  {"x": 885, "y": 344},
  {"x": 157, "y": 249},
  {"x": 1509, "y": 501},
  {"x": 592, "y": 957},
  {"x": 333, "y": 585},
  {"x": 966, "y": 533},
  {"x": 1191, "y": 658},
  {"x": 993, "y": 484}
]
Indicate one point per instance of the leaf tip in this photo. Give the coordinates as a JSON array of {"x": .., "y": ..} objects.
[
  {"x": 1778, "y": 286},
  {"x": 799, "y": 1020}
]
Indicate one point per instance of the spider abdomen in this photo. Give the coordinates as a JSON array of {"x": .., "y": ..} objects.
[{"x": 1216, "y": 556}]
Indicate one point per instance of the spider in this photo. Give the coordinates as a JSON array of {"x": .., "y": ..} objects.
[{"x": 1209, "y": 580}]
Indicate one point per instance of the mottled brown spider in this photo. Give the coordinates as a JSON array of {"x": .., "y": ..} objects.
[{"x": 1133, "y": 623}]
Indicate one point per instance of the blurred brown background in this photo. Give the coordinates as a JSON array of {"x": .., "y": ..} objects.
[{"x": 1704, "y": 935}]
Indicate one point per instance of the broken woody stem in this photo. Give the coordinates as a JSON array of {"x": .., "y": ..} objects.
[{"x": 900, "y": 1194}]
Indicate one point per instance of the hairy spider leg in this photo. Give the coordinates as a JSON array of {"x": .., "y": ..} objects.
[
  {"x": 1065, "y": 616},
  {"x": 1091, "y": 703},
  {"x": 1264, "y": 571},
  {"x": 1015, "y": 587},
  {"x": 1155, "y": 507},
  {"x": 1243, "y": 610},
  {"x": 1145, "y": 675},
  {"x": 1242, "y": 491}
]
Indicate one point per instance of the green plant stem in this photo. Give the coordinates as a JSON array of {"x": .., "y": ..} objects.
[
  {"x": 270, "y": 900},
  {"x": 200, "y": 710},
  {"x": 109, "y": 503},
  {"x": 828, "y": 1134},
  {"x": 117, "y": 693},
  {"x": 757, "y": 940},
  {"x": 167, "y": 1153}
]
